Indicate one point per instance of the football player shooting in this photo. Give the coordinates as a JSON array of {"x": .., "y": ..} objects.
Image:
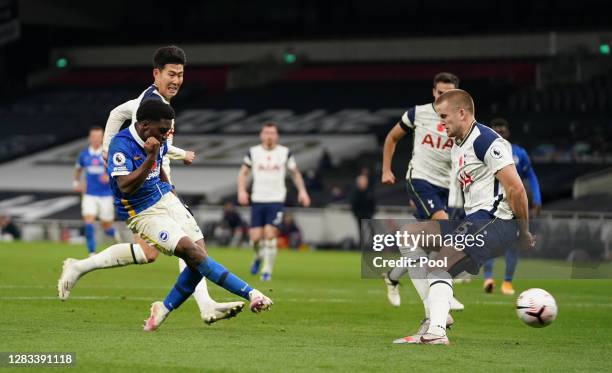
[
  {"x": 146, "y": 200},
  {"x": 495, "y": 199},
  {"x": 168, "y": 70}
]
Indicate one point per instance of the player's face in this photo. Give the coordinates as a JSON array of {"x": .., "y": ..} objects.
[
  {"x": 452, "y": 118},
  {"x": 169, "y": 79},
  {"x": 159, "y": 130},
  {"x": 269, "y": 136},
  {"x": 441, "y": 88},
  {"x": 502, "y": 131},
  {"x": 95, "y": 138}
]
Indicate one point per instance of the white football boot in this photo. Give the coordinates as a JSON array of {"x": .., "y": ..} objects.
[
  {"x": 70, "y": 276},
  {"x": 423, "y": 327},
  {"x": 221, "y": 311},
  {"x": 159, "y": 312},
  {"x": 455, "y": 305},
  {"x": 259, "y": 302}
]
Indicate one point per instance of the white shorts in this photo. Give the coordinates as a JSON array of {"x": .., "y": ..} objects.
[
  {"x": 101, "y": 207},
  {"x": 165, "y": 223}
]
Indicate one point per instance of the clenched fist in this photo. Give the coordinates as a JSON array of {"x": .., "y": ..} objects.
[{"x": 151, "y": 146}]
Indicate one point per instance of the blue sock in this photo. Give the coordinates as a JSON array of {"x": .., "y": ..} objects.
[
  {"x": 90, "y": 236},
  {"x": 511, "y": 261},
  {"x": 488, "y": 268},
  {"x": 216, "y": 273},
  {"x": 110, "y": 232},
  {"x": 183, "y": 288}
]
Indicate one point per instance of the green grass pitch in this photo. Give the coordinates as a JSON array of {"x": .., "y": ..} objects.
[{"x": 325, "y": 318}]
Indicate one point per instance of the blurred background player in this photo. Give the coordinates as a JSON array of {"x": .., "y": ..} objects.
[
  {"x": 268, "y": 161},
  {"x": 428, "y": 176},
  {"x": 97, "y": 199},
  {"x": 526, "y": 172},
  {"x": 146, "y": 201},
  {"x": 168, "y": 70}
]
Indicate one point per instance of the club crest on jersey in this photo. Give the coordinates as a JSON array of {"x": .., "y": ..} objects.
[
  {"x": 118, "y": 159},
  {"x": 439, "y": 143},
  {"x": 163, "y": 236}
]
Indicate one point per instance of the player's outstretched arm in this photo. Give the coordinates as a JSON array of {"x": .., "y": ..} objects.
[
  {"x": 517, "y": 199},
  {"x": 243, "y": 196},
  {"x": 298, "y": 181},
  {"x": 130, "y": 183},
  {"x": 396, "y": 133},
  {"x": 187, "y": 156},
  {"x": 115, "y": 120}
]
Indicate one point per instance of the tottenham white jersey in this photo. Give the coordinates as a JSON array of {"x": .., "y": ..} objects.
[
  {"x": 127, "y": 111},
  {"x": 477, "y": 159},
  {"x": 431, "y": 158},
  {"x": 269, "y": 169}
]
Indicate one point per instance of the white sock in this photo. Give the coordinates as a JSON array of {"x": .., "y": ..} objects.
[
  {"x": 201, "y": 296},
  {"x": 117, "y": 255},
  {"x": 396, "y": 273},
  {"x": 269, "y": 255},
  {"x": 418, "y": 276},
  {"x": 440, "y": 294}
]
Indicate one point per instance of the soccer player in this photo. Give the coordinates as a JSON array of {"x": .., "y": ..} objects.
[
  {"x": 97, "y": 200},
  {"x": 428, "y": 175},
  {"x": 525, "y": 171},
  {"x": 268, "y": 161},
  {"x": 495, "y": 203},
  {"x": 146, "y": 201},
  {"x": 168, "y": 70}
]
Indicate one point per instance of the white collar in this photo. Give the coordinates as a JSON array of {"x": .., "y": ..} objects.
[
  {"x": 93, "y": 151},
  {"x": 135, "y": 135}
]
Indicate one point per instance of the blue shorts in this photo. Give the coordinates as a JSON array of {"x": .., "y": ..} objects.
[
  {"x": 427, "y": 197},
  {"x": 269, "y": 213},
  {"x": 493, "y": 235}
]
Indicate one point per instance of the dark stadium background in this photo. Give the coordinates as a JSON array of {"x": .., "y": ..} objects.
[{"x": 545, "y": 66}]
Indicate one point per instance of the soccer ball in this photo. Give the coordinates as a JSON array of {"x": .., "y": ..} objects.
[{"x": 536, "y": 307}]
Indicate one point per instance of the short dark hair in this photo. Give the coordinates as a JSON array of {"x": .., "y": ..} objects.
[
  {"x": 445, "y": 77},
  {"x": 154, "y": 110},
  {"x": 169, "y": 54},
  {"x": 499, "y": 122},
  {"x": 96, "y": 128}
]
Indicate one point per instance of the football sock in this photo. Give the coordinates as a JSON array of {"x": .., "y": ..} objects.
[
  {"x": 487, "y": 268},
  {"x": 185, "y": 285},
  {"x": 256, "y": 249},
  {"x": 117, "y": 255},
  {"x": 200, "y": 293},
  {"x": 216, "y": 273},
  {"x": 269, "y": 255},
  {"x": 90, "y": 236},
  {"x": 511, "y": 261},
  {"x": 440, "y": 294},
  {"x": 418, "y": 275},
  {"x": 110, "y": 232}
]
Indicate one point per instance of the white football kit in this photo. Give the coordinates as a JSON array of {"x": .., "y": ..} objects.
[{"x": 269, "y": 169}]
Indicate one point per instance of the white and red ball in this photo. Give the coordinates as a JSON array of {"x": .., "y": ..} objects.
[{"x": 536, "y": 307}]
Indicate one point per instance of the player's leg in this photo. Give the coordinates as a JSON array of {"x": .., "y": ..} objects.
[
  {"x": 256, "y": 235},
  {"x": 440, "y": 281},
  {"x": 273, "y": 218},
  {"x": 489, "y": 283},
  {"x": 211, "y": 311},
  {"x": 89, "y": 210},
  {"x": 160, "y": 227},
  {"x": 106, "y": 216},
  {"x": 511, "y": 262},
  {"x": 117, "y": 255}
]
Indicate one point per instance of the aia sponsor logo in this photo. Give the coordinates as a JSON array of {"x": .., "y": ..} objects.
[{"x": 437, "y": 142}]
